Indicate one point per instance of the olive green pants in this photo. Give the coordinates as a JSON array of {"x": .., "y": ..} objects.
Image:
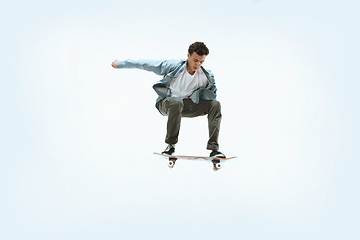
[{"x": 176, "y": 108}]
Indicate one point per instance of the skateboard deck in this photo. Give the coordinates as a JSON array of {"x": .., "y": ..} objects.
[{"x": 216, "y": 161}]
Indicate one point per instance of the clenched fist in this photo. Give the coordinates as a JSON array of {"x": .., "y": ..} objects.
[{"x": 114, "y": 64}]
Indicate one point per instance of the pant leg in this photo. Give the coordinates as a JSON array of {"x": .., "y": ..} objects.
[
  {"x": 172, "y": 107},
  {"x": 214, "y": 121}
]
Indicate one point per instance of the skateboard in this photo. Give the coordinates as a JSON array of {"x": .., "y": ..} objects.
[{"x": 215, "y": 160}]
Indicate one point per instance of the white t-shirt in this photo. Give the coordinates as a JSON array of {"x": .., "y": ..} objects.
[{"x": 184, "y": 84}]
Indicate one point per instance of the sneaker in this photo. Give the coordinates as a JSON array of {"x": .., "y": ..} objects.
[
  {"x": 170, "y": 149},
  {"x": 218, "y": 154}
]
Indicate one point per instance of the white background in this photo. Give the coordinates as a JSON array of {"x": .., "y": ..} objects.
[{"x": 77, "y": 136}]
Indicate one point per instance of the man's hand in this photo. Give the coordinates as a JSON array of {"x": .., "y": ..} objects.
[{"x": 114, "y": 64}]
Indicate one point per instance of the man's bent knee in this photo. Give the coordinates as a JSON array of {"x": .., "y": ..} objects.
[{"x": 215, "y": 105}]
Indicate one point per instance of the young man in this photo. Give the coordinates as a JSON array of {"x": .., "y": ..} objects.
[{"x": 187, "y": 90}]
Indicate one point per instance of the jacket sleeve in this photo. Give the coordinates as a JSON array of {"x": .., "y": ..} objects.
[{"x": 159, "y": 67}]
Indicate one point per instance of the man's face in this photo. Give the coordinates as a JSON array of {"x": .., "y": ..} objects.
[{"x": 194, "y": 62}]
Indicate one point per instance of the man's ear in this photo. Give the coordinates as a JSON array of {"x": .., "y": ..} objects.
[{"x": 188, "y": 55}]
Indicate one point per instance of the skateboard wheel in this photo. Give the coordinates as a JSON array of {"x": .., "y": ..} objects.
[
  {"x": 217, "y": 166},
  {"x": 171, "y": 163}
]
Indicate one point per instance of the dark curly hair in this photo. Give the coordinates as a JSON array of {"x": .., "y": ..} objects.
[{"x": 198, "y": 47}]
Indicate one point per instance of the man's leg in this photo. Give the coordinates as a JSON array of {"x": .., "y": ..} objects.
[
  {"x": 214, "y": 121},
  {"x": 172, "y": 107}
]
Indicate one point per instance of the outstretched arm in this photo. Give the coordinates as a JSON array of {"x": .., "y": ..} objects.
[{"x": 157, "y": 66}]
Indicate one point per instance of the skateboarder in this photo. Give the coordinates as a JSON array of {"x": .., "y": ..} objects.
[{"x": 186, "y": 90}]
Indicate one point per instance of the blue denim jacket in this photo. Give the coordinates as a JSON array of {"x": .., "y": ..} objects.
[{"x": 169, "y": 69}]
